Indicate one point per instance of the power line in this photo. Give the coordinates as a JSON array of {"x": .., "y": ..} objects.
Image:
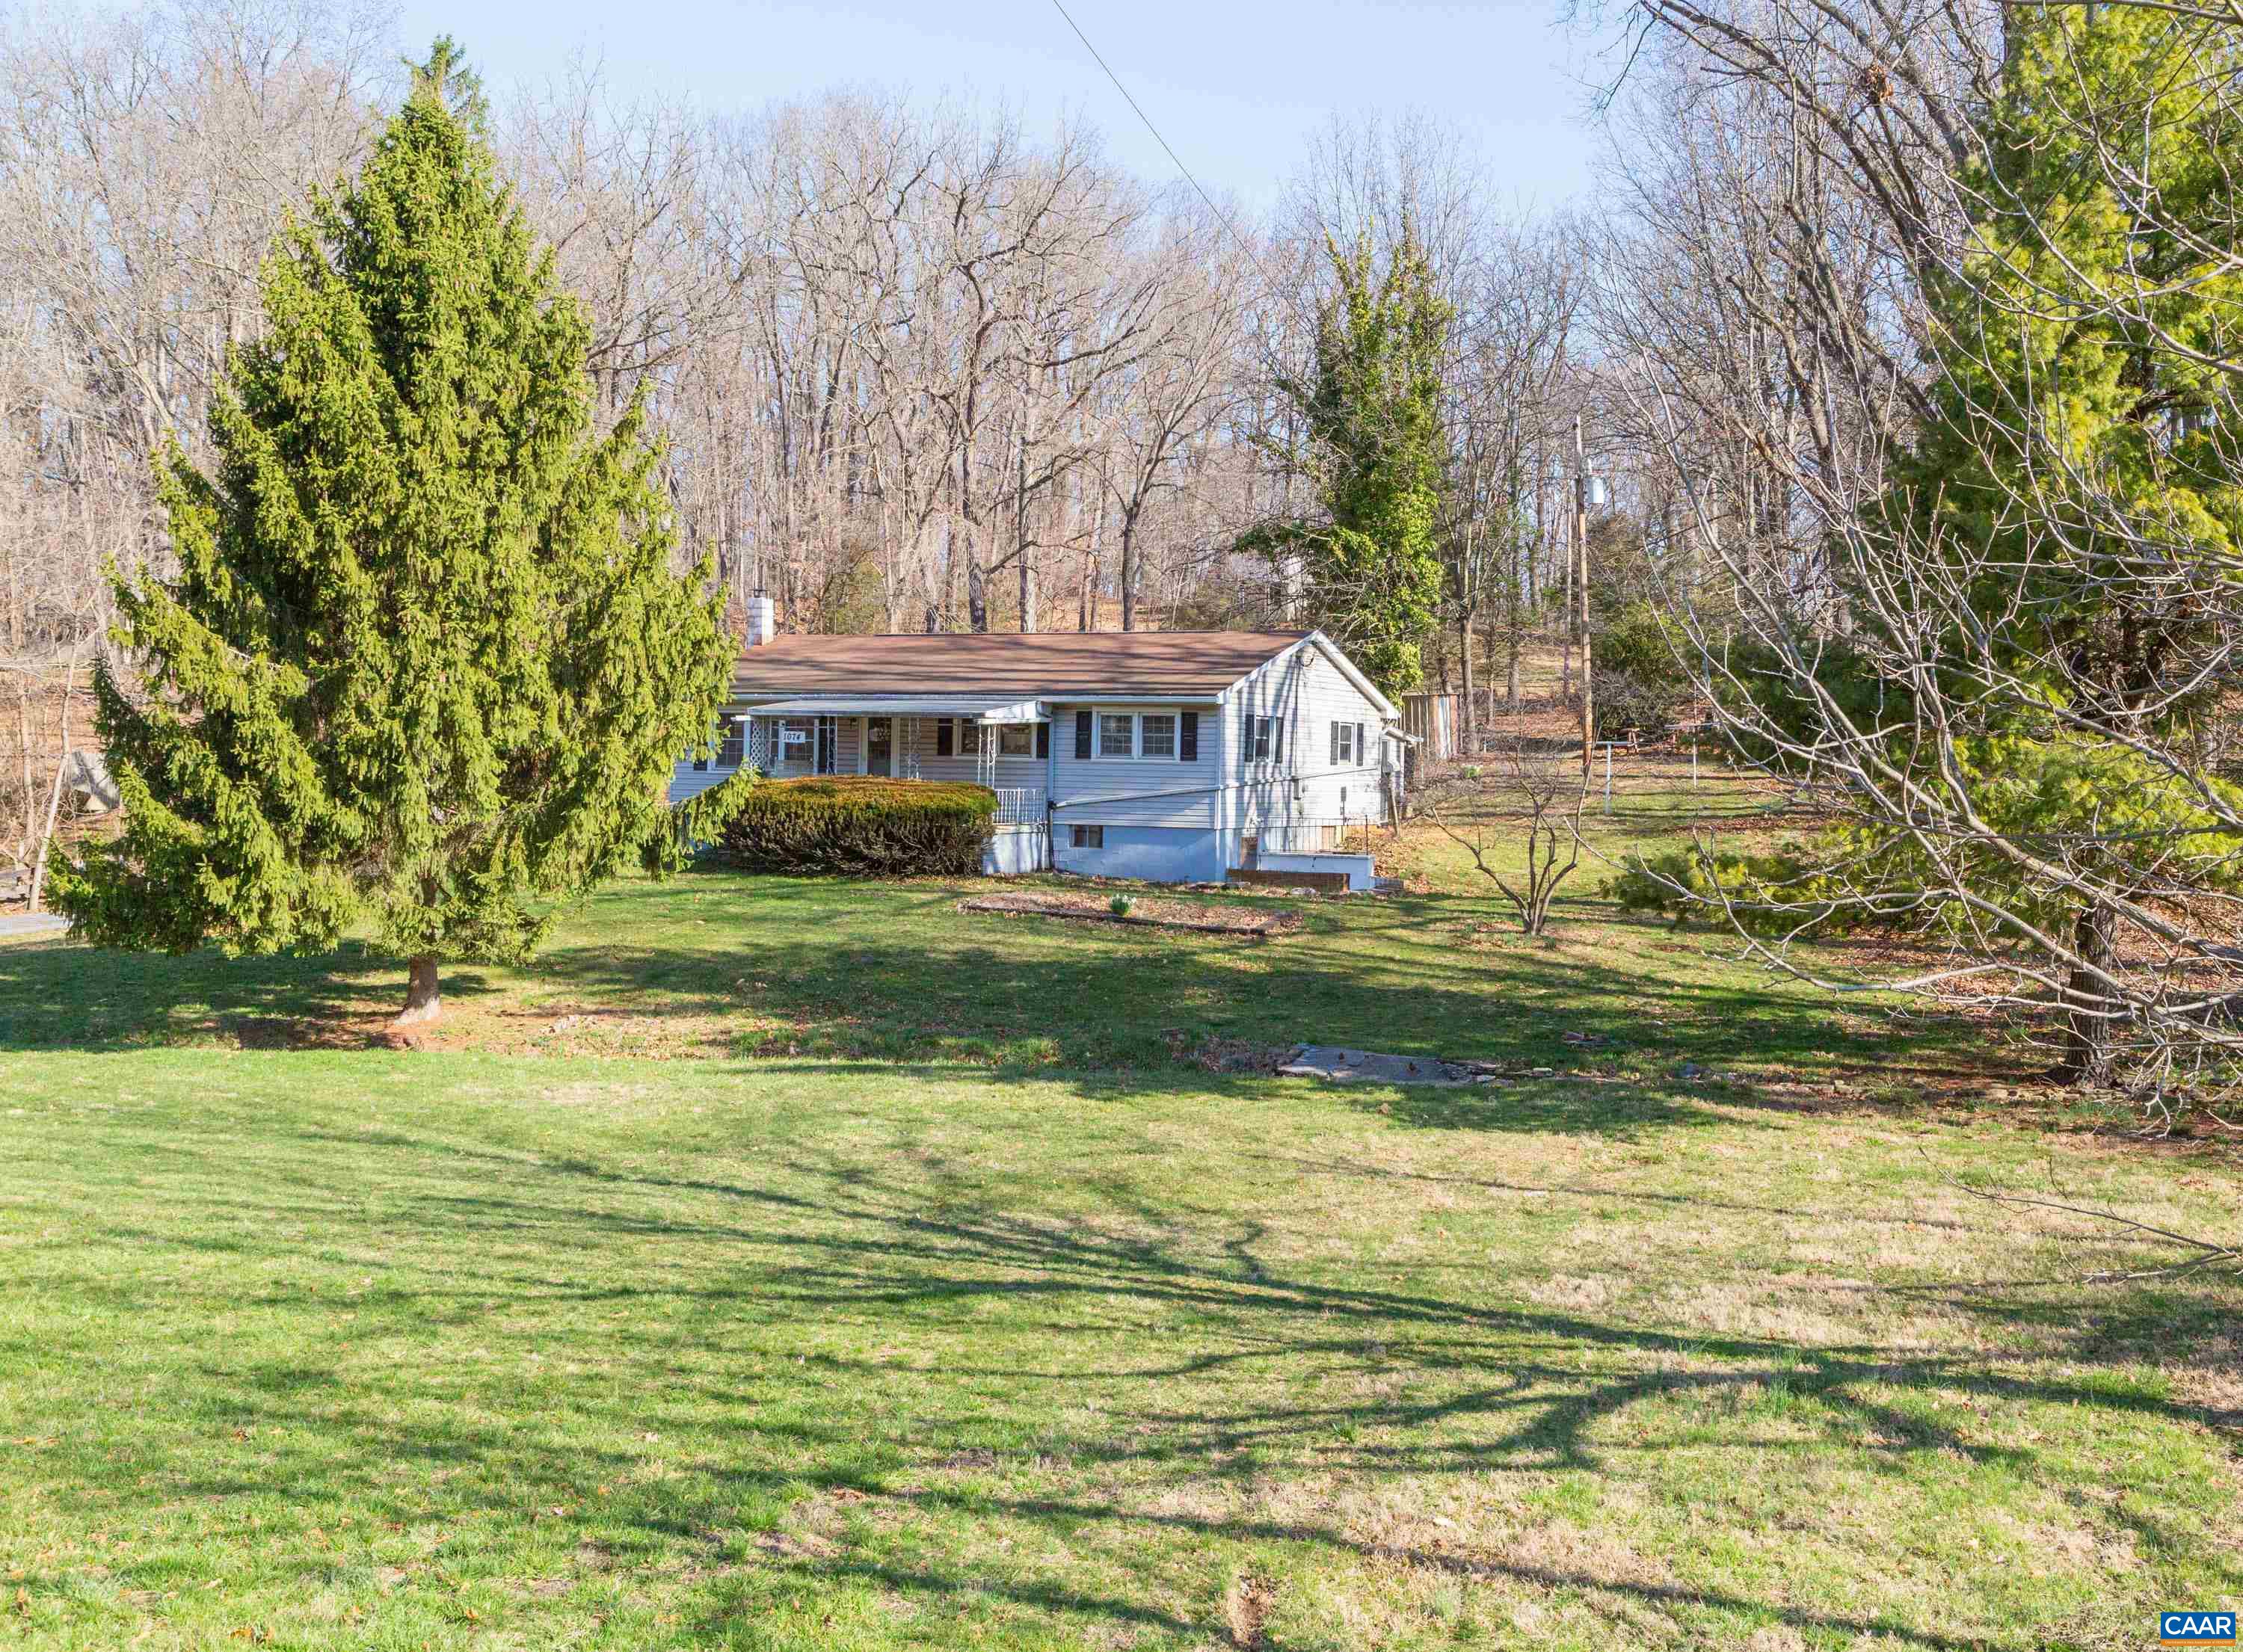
[{"x": 1222, "y": 217}]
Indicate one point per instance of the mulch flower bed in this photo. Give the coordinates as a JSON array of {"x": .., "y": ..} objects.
[{"x": 1154, "y": 911}]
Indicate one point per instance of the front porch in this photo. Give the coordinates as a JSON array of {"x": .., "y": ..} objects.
[
  {"x": 993, "y": 743},
  {"x": 1004, "y": 744}
]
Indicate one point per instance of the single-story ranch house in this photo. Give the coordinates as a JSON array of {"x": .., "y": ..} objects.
[{"x": 1175, "y": 756}]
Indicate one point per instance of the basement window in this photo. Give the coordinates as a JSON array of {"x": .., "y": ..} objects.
[{"x": 1087, "y": 837}]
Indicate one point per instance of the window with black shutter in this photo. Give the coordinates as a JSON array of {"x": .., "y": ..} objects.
[
  {"x": 946, "y": 737},
  {"x": 1043, "y": 740},
  {"x": 1187, "y": 738},
  {"x": 1082, "y": 735}
]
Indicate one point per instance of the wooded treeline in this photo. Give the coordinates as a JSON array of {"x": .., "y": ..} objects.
[
  {"x": 913, "y": 359},
  {"x": 918, "y": 366}
]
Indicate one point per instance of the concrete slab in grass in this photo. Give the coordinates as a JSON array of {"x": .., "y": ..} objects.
[{"x": 1351, "y": 1066}]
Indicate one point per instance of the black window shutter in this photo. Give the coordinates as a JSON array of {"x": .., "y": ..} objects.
[
  {"x": 1187, "y": 738},
  {"x": 946, "y": 737},
  {"x": 1335, "y": 745},
  {"x": 1362, "y": 753},
  {"x": 1043, "y": 740},
  {"x": 1082, "y": 735},
  {"x": 1276, "y": 739}
]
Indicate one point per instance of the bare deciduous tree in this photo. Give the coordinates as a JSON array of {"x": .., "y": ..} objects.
[{"x": 1534, "y": 798}]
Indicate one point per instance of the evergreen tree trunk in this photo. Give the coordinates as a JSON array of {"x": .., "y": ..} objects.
[
  {"x": 422, "y": 1000},
  {"x": 2087, "y": 1050}
]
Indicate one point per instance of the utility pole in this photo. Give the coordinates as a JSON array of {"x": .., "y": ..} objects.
[
  {"x": 1582, "y": 596},
  {"x": 1020, "y": 536}
]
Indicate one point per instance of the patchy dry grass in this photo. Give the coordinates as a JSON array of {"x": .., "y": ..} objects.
[
  {"x": 393, "y": 1349},
  {"x": 1259, "y": 918}
]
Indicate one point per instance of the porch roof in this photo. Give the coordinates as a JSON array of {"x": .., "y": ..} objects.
[{"x": 979, "y": 707}]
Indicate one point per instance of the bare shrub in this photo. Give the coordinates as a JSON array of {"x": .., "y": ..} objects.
[{"x": 1531, "y": 794}]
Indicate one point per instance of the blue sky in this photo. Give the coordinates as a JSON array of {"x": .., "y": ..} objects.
[{"x": 1236, "y": 85}]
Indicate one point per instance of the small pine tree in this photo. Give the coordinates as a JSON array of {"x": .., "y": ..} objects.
[
  {"x": 424, "y": 666},
  {"x": 1371, "y": 409}
]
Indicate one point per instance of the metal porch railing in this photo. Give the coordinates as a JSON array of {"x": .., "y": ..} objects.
[{"x": 1019, "y": 805}]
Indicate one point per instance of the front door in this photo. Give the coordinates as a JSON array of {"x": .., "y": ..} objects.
[{"x": 879, "y": 745}]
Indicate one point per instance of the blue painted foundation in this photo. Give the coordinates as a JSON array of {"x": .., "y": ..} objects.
[
  {"x": 1158, "y": 854},
  {"x": 1014, "y": 850}
]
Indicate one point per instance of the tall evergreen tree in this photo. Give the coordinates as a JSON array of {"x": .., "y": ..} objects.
[
  {"x": 1372, "y": 411},
  {"x": 424, "y": 666},
  {"x": 2075, "y": 485},
  {"x": 2080, "y": 347}
]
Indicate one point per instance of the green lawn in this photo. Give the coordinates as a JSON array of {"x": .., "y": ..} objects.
[{"x": 796, "y": 1264}]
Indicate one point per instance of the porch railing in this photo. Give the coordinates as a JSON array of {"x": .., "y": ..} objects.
[{"x": 1019, "y": 805}]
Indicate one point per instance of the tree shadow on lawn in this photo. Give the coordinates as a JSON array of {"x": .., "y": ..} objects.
[
  {"x": 65, "y": 995},
  {"x": 900, "y": 975},
  {"x": 1281, "y": 1372},
  {"x": 1396, "y": 983}
]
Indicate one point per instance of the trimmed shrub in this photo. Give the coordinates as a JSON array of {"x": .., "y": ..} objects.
[{"x": 860, "y": 827}]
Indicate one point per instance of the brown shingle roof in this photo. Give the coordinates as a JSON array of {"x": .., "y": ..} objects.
[{"x": 1054, "y": 664}]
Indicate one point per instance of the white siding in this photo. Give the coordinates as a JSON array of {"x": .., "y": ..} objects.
[
  {"x": 686, "y": 780},
  {"x": 1011, "y": 771},
  {"x": 1307, "y": 693},
  {"x": 1188, "y": 792}
]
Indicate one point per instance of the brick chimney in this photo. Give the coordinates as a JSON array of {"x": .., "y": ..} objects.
[{"x": 762, "y": 621}]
